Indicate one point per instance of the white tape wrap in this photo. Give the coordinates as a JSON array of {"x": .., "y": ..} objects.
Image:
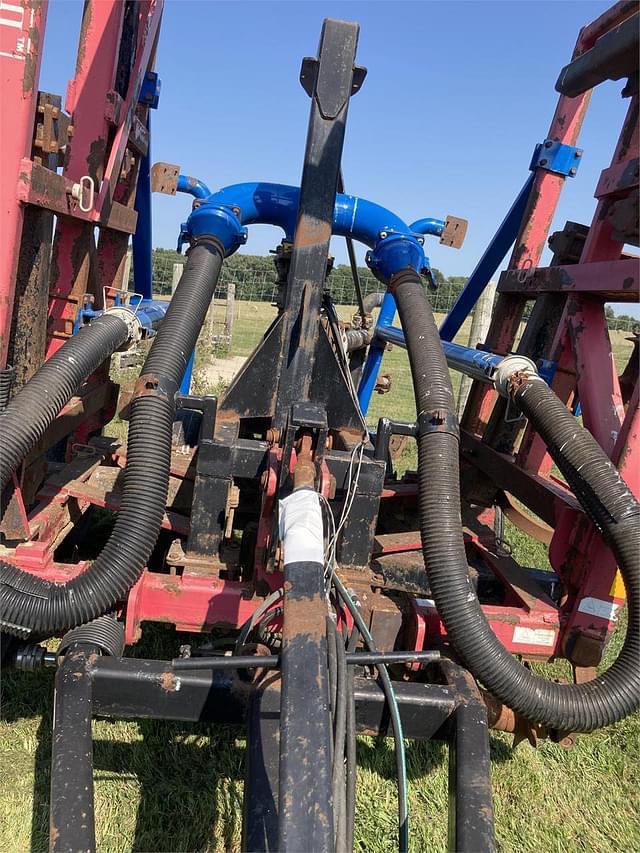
[{"x": 301, "y": 528}]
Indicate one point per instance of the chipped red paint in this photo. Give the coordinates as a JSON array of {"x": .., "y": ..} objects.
[
  {"x": 20, "y": 57},
  {"x": 609, "y": 19},
  {"x": 190, "y": 602}
]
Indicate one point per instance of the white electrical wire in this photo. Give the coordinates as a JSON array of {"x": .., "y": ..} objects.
[{"x": 352, "y": 489}]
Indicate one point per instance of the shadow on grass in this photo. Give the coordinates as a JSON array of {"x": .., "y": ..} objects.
[
  {"x": 186, "y": 775},
  {"x": 179, "y": 769},
  {"x": 180, "y": 805}
]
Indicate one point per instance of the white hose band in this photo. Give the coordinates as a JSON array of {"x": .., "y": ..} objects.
[
  {"x": 301, "y": 530},
  {"x": 509, "y": 365}
]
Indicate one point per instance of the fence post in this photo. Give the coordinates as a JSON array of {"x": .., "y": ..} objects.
[
  {"x": 479, "y": 327},
  {"x": 127, "y": 269},
  {"x": 228, "y": 311},
  {"x": 175, "y": 278}
]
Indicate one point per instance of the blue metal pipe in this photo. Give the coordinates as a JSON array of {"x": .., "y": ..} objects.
[
  {"x": 488, "y": 264},
  {"x": 376, "y": 350},
  {"x": 472, "y": 362},
  {"x": 226, "y": 214},
  {"x": 433, "y": 227},
  {"x": 277, "y": 204},
  {"x": 151, "y": 314},
  {"x": 185, "y": 385},
  {"x": 141, "y": 241},
  {"x": 192, "y": 186}
]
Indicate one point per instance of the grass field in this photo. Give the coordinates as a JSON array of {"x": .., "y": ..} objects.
[{"x": 178, "y": 787}]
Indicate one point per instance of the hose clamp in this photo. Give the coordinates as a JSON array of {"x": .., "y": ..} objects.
[
  {"x": 439, "y": 420},
  {"x": 508, "y": 368},
  {"x": 132, "y": 321},
  {"x": 152, "y": 385}
]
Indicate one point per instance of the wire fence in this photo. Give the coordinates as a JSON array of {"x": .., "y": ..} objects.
[{"x": 244, "y": 307}]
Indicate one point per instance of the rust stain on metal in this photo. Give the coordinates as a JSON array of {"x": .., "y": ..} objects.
[
  {"x": 169, "y": 682},
  {"x": 84, "y": 30},
  {"x": 304, "y": 617},
  {"x": 31, "y": 61},
  {"x": 96, "y": 158},
  {"x": 312, "y": 232}
]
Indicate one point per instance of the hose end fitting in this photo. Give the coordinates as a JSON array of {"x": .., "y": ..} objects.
[
  {"x": 510, "y": 365},
  {"x": 395, "y": 252},
  {"x": 133, "y": 324},
  {"x": 215, "y": 220}
]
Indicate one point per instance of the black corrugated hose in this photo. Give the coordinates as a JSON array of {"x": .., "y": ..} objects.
[
  {"x": 35, "y": 407},
  {"x": 576, "y": 707},
  {"x": 30, "y": 604}
]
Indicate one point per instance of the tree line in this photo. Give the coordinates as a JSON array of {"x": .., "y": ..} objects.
[{"x": 255, "y": 280}]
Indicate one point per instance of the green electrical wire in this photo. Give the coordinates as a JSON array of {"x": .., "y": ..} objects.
[{"x": 396, "y": 722}]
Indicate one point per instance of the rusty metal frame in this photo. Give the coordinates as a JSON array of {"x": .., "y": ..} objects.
[{"x": 568, "y": 327}]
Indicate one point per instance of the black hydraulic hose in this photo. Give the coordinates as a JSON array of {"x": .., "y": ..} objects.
[
  {"x": 394, "y": 714},
  {"x": 596, "y": 483},
  {"x": 30, "y": 604},
  {"x": 350, "y": 795},
  {"x": 35, "y": 407},
  {"x": 340, "y": 729}
]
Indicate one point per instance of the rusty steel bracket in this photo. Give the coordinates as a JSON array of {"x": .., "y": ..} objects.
[
  {"x": 164, "y": 178},
  {"x": 454, "y": 232}
]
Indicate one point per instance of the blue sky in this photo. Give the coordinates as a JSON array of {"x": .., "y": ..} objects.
[{"x": 456, "y": 97}]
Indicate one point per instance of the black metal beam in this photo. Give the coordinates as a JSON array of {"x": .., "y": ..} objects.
[
  {"x": 470, "y": 801},
  {"x": 305, "y": 807},
  {"x": 331, "y": 91},
  {"x": 130, "y": 688},
  {"x": 72, "y": 822}
]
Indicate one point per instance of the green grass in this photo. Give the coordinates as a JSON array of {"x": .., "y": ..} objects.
[{"x": 178, "y": 787}]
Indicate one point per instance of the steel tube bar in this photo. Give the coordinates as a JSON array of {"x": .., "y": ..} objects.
[
  {"x": 470, "y": 802},
  {"x": 130, "y": 688},
  {"x": 472, "y": 362},
  {"x": 488, "y": 264},
  {"x": 273, "y": 661},
  {"x": 305, "y": 807},
  {"x": 260, "y": 801}
]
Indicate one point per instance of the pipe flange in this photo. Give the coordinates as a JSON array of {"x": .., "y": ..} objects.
[
  {"x": 132, "y": 321},
  {"x": 508, "y": 367}
]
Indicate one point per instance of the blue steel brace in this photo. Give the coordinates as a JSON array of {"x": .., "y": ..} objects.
[
  {"x": 488, "y": 264},
  {"x": 556, "y": 157},
  {"x": 550, "y": 155}
]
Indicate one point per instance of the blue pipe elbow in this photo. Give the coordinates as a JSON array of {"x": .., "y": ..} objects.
[
  {"x": 192, "y": 186},
  {"x": 226, "y": 213},
  {"x": 433, "y": 227}
]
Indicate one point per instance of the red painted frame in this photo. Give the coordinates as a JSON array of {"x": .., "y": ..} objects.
[{"x": 528, "y": 623}]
